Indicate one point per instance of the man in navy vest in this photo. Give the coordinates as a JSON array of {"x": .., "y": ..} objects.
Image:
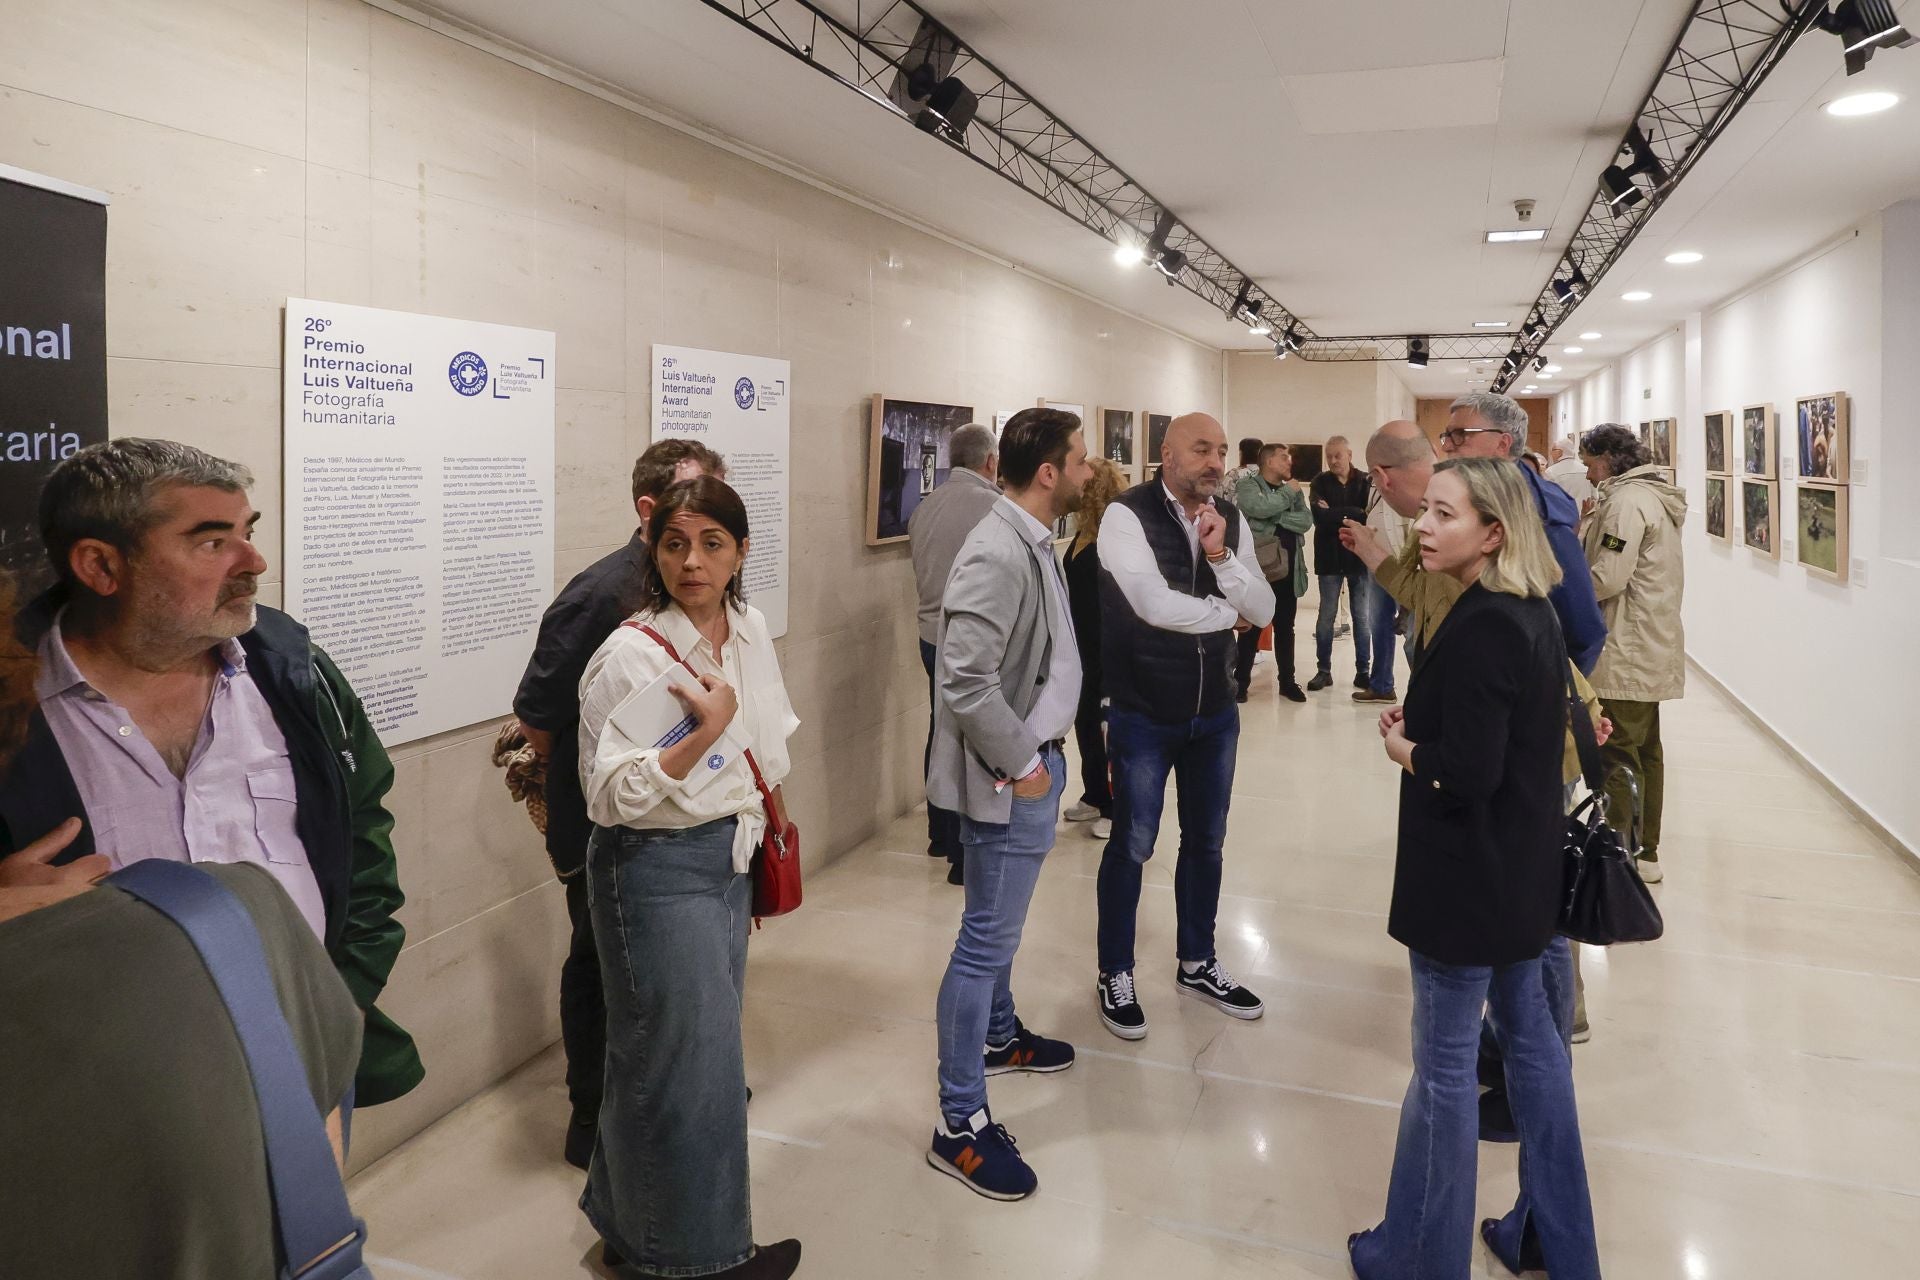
[{"x": 1177, "y": 576}]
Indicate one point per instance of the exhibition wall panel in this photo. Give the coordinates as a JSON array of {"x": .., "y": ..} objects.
[
  {"x": 335, "y": 151},
  {"x": 1826, "y": 664}
]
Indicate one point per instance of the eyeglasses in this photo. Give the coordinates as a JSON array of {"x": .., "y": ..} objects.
[{"x": 1457, "y": 436}]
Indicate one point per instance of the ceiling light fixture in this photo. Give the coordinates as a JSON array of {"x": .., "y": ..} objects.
[
  {"x": 1685, "y": 258},
  {"x": 1515, "y": 237},
  {"x": 1572, "y": 287},
  {"x": 1280, "y": 350},
  {"x": 1635, "y": 295},
  {"x": 1572, "y": 351},
  {"x": 1129, "y": 254},
  {"x": 1623, "y": 192},
  {"x": 1489, "y": 324},
  {"x": 1291, "y": 338},
  {"x": 1591, "y": 336},
  {"x": 1864, "y": 27},
  {"x": 1168, "y": 262},
  {"x": 1513, "y": 359},
  {"x": 1417, "y": 353},
  {"x": 1549, "y": 368},
  {"x": 1539, "y": 364},
  {"x": 1862, "y": 104}
]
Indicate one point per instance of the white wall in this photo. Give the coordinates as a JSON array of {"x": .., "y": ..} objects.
[
  {"x": 1297, "y": 401},
  {"x": 1830, "y": 666},
  {"x": 326, "y": 149}
]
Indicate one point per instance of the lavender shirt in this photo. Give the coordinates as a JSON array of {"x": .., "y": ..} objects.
[{"x": 236, "y": 803}]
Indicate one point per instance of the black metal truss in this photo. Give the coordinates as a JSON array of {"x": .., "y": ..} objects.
[
  {"x": 1718, "y": 61},
  {"x": 1489, "y": 345},
  {"x": 1011, "y": 133}
]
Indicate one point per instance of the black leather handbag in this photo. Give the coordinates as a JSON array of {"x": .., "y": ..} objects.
[{"x": 1605, "y": 900}]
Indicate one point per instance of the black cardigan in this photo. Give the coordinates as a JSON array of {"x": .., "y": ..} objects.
[
  {"x": 1344, "y": 502},
  {"x": 1477, "y": 877}
]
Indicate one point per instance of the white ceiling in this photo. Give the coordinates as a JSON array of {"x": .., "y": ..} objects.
[{"x": 1349, "y": 156}]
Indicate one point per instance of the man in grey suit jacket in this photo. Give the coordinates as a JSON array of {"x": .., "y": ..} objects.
[
  {"x": 1008, "y": 688},
  {"x": 939, "y": 527}
]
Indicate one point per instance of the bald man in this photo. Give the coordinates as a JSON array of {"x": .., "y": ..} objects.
[{"x": 1177, "y": 575}]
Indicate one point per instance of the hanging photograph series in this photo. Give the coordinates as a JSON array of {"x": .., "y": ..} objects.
[{"x": 1748, "y": 449}]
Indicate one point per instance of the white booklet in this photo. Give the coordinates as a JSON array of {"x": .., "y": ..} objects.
[{"x": 652, "y": 716}]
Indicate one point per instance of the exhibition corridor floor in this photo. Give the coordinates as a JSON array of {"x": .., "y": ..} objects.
[{"x": 1750, "y": 1098}]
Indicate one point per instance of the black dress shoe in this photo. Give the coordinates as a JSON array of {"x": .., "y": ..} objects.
[
  {"x": 1532, "y": 1258},
  {"x": 956, "y": 874},
  {"x": 1496, "y": 1118},
  {"x": 580, "y": 1140},
  {"x": 1241, "y": 696},
  {"x": 1324, "y": 680},
  {"x": 1293, "y": 693}
]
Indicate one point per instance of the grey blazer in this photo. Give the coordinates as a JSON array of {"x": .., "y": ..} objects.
[{"x": 996, "y": 647}]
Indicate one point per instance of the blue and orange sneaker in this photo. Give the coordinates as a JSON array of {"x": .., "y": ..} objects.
[
  {"x": 1028, "y": 1052},
  {"x": 982, "y": 1155}
]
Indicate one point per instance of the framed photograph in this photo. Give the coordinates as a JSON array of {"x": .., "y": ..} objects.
[
  {"x": 1309, "y": 460},
  {"x": 1116, "y": 437},
  {"x": 1720, "y": 443},
  {"x": 1717, "y": 526},
  {"x": 1760, "y": 511},
  {"x": 1824, "y": 438},
  {"x": 1759, "y": 448},
  {"x": 1660, "y": 441},
  {"x": 1820, "y": 530},
  {"x": 1077, "y": 410},
  {"x": 907, "y": 459},
  {"x": 1646, "y": 433},
  {"x": 1157, "y": 424}
]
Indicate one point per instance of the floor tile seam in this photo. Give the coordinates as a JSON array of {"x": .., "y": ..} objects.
[
  {"x": 1226, "y": 1077},
  {"x": 1751, "y": 1166},
  {"x": 386, "y": 1264},
  {"x": 1271, "y": 902},
  {"x": 1821, "y": 902},
  {"x": 1791, "y": 964},
  {"x": 786, "y": 1139}
]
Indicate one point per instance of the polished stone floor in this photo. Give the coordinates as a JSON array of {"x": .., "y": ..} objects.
[{"x": 1750, "y": 1099}]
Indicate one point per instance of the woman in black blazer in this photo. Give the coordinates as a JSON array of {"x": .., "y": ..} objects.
[{"x": 1476, "y": 890}]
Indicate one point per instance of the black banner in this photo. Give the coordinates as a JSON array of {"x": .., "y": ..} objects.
[{"x": 53, "y": 354}]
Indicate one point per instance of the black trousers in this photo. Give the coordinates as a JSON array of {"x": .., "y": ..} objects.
[
  {"x": 1090, "y": 734},
  {"x": 583, "y": 1010},
  {"x": 1285, "y": 606},
  {"x": 943, "y": 825}
]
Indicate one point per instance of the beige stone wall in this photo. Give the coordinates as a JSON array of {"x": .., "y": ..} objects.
[{"x": 274, "y": 148}]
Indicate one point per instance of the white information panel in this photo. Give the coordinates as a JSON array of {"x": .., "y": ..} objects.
[
  {"x": 419, "y": 506},
  {"x": 737, "y": 406}
]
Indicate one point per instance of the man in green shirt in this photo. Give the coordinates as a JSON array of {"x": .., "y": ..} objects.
[{"x": 1277, "y": 514}]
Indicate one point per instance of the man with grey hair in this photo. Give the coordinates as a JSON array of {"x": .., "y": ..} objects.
[
  {"x": 179, "y": 719},
  {"x": 1565, "y": 469},
  {"x": 938, "y": 529},
  {"x": 1482, "y": 424}
]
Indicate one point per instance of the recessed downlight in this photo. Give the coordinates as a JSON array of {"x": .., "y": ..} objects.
[
  {"x": 1862, "y": 104},
  {"x": 1571, "y": 351},
  {"x": 1635, "y": 295},
  {"x": 1684, "y": 258},
  {"x": 1513, "y": 237},
  {"x": 1489, "y": 324},
  {"x": 1590, "y": 336}
]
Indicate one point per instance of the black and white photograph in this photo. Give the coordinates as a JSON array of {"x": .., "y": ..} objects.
[
  {"x": 1116, "y": 437},
  {"x": 906, "y": 460},
  {"x": 1157, "y": 424}
]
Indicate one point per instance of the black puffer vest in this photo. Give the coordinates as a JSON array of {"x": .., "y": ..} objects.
[{"x": 1164, "y": 674}]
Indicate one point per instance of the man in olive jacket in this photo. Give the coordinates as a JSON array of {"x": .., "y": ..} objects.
[
  {"x": 1275, "y": 510},
  {"x": 178, "y": 719}
]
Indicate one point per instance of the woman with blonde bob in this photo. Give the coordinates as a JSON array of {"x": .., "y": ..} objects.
[
  {"x": 1476, "y": 893},
  {"x": 1083, "y": 602}
]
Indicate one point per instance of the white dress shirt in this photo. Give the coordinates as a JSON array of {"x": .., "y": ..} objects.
[
  {"x": 1124, "y": 553},
  {"x": 623, "y": 781},
  {"x": 1571, "y": 475},
  {"x": 1059, "y": 701}
]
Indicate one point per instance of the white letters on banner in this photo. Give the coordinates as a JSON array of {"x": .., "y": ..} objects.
[
  {"x": 737, "y": 406},
  {"x": 419, "y": 506}
]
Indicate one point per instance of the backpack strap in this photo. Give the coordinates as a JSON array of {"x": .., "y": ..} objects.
[{"x": 318, "y": 1235}]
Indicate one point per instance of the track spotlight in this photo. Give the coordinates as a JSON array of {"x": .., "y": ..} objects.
[
  {"x": 1622, "y": 192},
  {"x": 1291, "y": 338},
  {"x": 1539, "y": 363},
  {"x": 1864, "y": 26},
  {"x": 1168, "y": 262},
  {"x": 1531, "y": 327},
  {"x": 1280, "y": 351},
  {"x": 1572, "y": 287},
  {"x": 1513, "y": 359},
  {"x": 1416, "y": 353},
  {"x": 936, "y": 102}
]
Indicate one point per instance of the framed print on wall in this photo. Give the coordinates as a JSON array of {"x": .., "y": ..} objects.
[
  {"x": 1824, "y": 437},
  {"x": 1077, "y": 410},
  {"x": 1760, "y": 510},
  {"x": 1117, "y": 437},
  {"x": 908, "y": 455},
  {"x": 1717, "y": 525},
  {"x": 1660, "y": 441},
  {"x": 1720, "y": 443},
  {"x": 1820, "y": 527},
  {"x": 1157, "y": 424},
  {"x": 1759, "y": 447}
]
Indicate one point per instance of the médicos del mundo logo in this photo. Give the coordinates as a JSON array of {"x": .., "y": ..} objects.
[
  {"x": 743, "y": 393},
  {"x": 468, "y": 373}
]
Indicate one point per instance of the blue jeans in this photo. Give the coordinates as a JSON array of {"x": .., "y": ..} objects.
[
  {"x": 976, "y": 996},
  {"x": 1383, "y": 609},
  {"x": 1357, "y": 584},
  {"x": 1199, "y": 753},
  {"x": 943, "y": 825},
  {"x": 1428, "y": 1233},
  {"x": 668, "y": 1182}
]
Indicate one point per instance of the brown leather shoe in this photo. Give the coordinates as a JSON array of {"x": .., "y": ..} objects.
[{"x": 1368, "y": 695}]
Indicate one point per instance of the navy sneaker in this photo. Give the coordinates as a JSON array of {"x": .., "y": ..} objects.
[
  {"x": 1120, "y": 1007},
  {"x": 982, "y": 1155},
  {"x": 1028, "y": 1052},
  {"x": 1211, "y": 983}
]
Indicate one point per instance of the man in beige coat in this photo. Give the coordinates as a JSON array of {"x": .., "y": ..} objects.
[{"x": 1632, "y": 542}]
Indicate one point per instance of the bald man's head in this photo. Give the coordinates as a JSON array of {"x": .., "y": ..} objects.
[
  {"x": 1193, "y": 457},
  {"x": 1400, "y": 460}
]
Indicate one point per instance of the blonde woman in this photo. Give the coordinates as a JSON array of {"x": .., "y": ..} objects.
[
  {"x": 1083, "y": 601},
  {"x": 1476, "y": 893}
]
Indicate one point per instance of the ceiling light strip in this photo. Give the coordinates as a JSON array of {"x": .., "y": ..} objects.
[{"x": 1717, "y": 62}]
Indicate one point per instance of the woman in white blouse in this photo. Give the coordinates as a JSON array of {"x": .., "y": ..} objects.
[{"x": 667, "y": 883}]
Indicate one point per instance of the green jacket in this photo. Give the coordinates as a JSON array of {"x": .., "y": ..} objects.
[{"x": 1271, "y": 510}]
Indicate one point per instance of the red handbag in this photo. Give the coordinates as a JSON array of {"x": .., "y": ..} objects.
[{"x": 776, "y": 867}]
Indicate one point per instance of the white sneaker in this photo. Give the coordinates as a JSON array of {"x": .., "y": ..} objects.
[
  {"x": 1582, "y": 1034},
  {"x": 1649, "y": 869},
  {"x": 1102, "y": 829},
  {"x": 1081, "y": 812}
]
